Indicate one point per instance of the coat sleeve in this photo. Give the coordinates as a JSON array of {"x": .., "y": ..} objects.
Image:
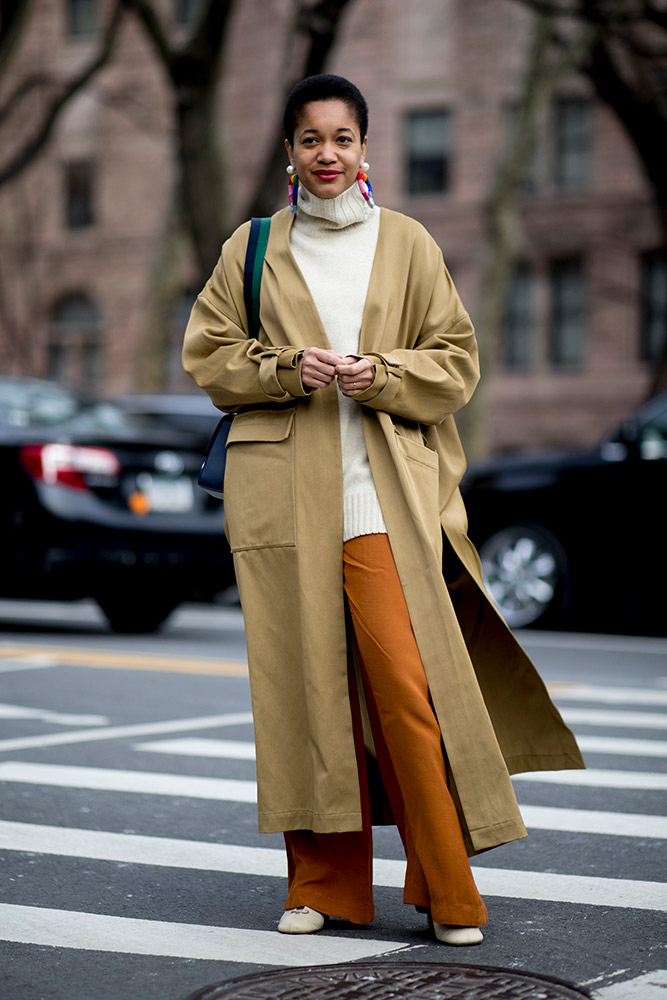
[
  {"x": 437, "y": 373},
  {"x": 234, "y": 369}
]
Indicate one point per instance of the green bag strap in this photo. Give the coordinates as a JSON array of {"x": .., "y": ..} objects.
[{"x": 252, "y": 272}]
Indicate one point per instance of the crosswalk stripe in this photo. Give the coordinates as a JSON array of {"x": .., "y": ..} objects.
[
  {"x": 607, "y": 695},
  {"x": 129, "y": 936},
  {"x": 144, "y": 782},
  {"x": 121, "y": 732},
  {"x": 607, "y": 717},
  {"x": 592, "y": 777},
  {"x": 200, "y": 747},
  {"x": 598, "y": 778},
  {"x": 595, "y": 821},
  {"x": 594, "y": 744},
  {"x": 620, "y": 746},
  {"x": 233, "y": 790},
  {"x": 649, "y": 986},
  {"x": 599, "y": 643},
  {"x": 44, "y": 715},
  {"x": 269, "y": 862},
  {"x": 9, "y": 666}
]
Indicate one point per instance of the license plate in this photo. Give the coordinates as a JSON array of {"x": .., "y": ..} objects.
[{"x": 165, "y": 495}]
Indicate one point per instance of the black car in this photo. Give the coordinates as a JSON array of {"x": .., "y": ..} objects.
[
  {"x": 578, "y": 539},
  {"x": 182, "y": 411},
  {"x": 98, "y": 503}
]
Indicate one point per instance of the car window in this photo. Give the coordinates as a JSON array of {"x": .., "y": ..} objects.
[
  {"x": 195, "y": 422},
  {"x": 27, "y": 404}
]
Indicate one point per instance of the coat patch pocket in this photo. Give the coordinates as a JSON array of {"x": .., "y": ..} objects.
[
  {"x": 413, "y": 447},
  {"x": 259, "y": 480},
  {"x": 420, "y": 473}
]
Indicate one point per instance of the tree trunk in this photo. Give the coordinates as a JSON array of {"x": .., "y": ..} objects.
[
  {"x": 164, "y": 287},
  {"x": 320, "y": 23},
  {"x": 13, "y": 15},
  {"x": 503, "y": 224},
  {"x": 200, "y": 182},
  {"x": 645, "y": 124}
]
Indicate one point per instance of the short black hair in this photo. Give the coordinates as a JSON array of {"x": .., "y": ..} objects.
[{"x": 325, "y": 87}]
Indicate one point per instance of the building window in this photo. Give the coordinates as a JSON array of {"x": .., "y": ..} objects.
[
  {"x": 572, "y": 144},
  {"x": 187, "y": 11},
  {"x": 568, "y": 314},
  {"x": 79, "y": 194},
  {"x": 428, "y": 151},
  {"x": 518, "y": 322},
  {"x": 74, "y": 349},
  {"x": 653, "y": 304},
  {"x": 82, "y": 18}
]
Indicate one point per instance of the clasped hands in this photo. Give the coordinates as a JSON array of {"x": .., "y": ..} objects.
[{"x": 320, "y": 367}]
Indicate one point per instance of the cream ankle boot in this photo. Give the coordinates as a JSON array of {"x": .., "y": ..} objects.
[
  {"x": 452, "y": 934},
  {"x": 301, "y": 920}
]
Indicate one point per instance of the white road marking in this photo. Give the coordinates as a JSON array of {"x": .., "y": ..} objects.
[
  {"x": 262, "y": 861},
  {"x": 45, "y": 715},
  {"x": 230, "y": 790},
  {"x": 193, "y": 747},
  {"x": 598, "y": 778},
  {"x": 605, "y": 717},
  {"x": 143, "y": 782},
  {"x": 127, "y": 936},
  {"x": 606, "y": 695},
  {"x": 591, "y": 777},
  {"x": 587, "y": 890},
  {"x": 617, "y": 824},
  {"x": 619, "y": 746},
  {"x": 120, "y": 732},
  {"x": 650, "y": 986},
  {"x": 12, "y": 665},
  {"x": 602, "y": 643}
]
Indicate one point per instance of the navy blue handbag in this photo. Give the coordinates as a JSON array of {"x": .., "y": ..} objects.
[{"x": 212, "y": 472}]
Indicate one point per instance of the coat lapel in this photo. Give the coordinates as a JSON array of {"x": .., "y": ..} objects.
[{"x": 288, "y": 293}]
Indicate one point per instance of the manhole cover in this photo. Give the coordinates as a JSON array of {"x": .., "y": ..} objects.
[{"x": 391, "y": 981}]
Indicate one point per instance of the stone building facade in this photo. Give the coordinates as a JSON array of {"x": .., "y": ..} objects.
[{"x": 80, "y": 230}]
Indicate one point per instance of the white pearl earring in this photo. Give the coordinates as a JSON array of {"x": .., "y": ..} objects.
[
  {"x": 289, "y": 168},
  {"x": 365, "y": 165}
]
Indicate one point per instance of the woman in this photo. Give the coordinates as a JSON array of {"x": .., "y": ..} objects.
[{"x": 384, "y": 684}]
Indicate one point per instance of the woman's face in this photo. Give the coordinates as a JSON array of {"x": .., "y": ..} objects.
[{"x": 328, "y": 150}]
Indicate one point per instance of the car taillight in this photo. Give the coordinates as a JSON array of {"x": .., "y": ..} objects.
[{"x": 68, "y": 464}]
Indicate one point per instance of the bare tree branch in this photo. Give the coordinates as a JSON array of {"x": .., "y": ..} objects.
[
  {"x": 503, "y": 225},
  {"x": 627, "y": 67},
  {"x": 613, "y": 12},
  {"x": 655, "y": 15},
  {"x": 150, "y": 19},
  {"x": 29, "y": 151},
  {"x": 24, "y": 89},
  {"x": 206, "y": 42},
  {"x": 320, "y": 22},
  {"x": 13, "y": 14}
]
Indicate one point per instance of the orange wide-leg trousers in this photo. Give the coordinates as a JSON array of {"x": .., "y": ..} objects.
[{"x": 332, "y": 872}]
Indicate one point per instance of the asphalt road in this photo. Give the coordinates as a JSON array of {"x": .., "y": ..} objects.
[{"x": 131, "y": 862}]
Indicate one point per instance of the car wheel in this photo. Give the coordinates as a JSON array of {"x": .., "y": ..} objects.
[
  {"x": 525, "y": 572},
  {"x": 133, "y": 613}
]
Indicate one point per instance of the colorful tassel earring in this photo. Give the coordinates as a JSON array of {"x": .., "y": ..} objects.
[
  {"x": 293, "y": 192},
  {"x": 365, "y": 187}
]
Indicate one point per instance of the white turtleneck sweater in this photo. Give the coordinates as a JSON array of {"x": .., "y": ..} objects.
[{"x": 333, "y": 241}]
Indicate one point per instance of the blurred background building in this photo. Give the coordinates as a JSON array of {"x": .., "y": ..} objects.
[{"x": 98, "y": 267}]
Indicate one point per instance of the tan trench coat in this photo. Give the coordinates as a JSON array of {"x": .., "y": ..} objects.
[{"x": 283, "y": 507}]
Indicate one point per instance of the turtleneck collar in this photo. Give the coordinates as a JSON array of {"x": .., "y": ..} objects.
[{"x": 333, "y": 213}]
